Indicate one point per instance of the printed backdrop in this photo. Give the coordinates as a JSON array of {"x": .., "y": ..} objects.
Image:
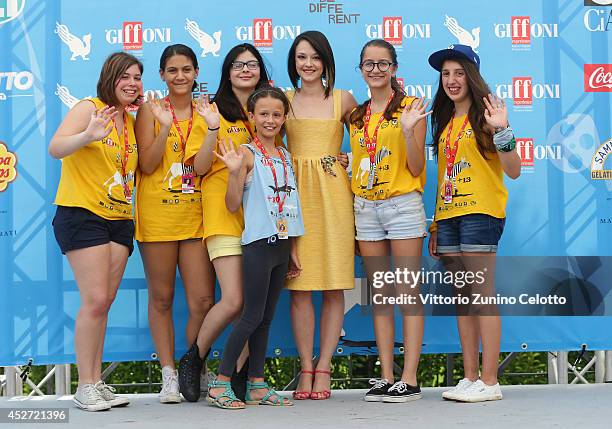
[{"x": 549, "y": 59}]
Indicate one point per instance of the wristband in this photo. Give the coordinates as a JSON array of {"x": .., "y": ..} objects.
[
  {"x": 500, "y": 129},
  {"x": 509, "y": 147},
  {"x": 504, "y": 140},
  {"x": 214, "y": 129}
]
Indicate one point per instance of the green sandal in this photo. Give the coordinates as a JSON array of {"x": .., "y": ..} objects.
[
  {"x": 225, "y": 399},
  {"x": 271, "y": 398}
]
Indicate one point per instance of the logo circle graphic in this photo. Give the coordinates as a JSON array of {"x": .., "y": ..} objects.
[{"x": 577, "y": 134}]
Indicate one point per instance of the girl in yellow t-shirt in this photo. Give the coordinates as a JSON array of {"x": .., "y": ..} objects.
[
  {"x": 242, "y": 71},
  {"x": 475, "y": 147},
  {"x": 387, "y": 140},
  {"x": 168, "y": 207},
  {"x": 93, "y": 224}
]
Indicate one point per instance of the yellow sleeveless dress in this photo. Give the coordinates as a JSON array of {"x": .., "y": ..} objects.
[{"x": 327, "y": 249}]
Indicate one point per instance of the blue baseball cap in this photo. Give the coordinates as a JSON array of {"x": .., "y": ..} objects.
[{"x": 463, "y": 52}]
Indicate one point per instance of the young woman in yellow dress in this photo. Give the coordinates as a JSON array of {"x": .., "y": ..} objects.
[
  {"x": 93, "y": 224},
  {"x": 315, "y": 128},
  {"x": 169, "y": 208},
  {"x": 388, "y": 145},
  {"x": 242, "y": 71}
]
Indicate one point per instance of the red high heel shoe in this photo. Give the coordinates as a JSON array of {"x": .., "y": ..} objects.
[
  {"x": 325, "y": 394},
  {"x": 299, "y": 395}
]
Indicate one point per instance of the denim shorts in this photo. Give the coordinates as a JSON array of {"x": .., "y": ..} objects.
[
  {"x": 396, "y": 218},
  {"x": 469, "y": 233}
]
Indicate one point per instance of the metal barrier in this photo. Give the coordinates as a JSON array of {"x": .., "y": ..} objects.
[{"x": 57, "y": 380}]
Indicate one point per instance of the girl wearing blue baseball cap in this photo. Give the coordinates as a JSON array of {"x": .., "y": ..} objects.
[{"x": 475, "y": 146}]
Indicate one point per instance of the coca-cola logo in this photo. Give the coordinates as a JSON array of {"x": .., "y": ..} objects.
[{"x": 598, "y": 77}]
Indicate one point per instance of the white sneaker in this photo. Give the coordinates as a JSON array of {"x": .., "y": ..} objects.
[
  {"x": 108, "y": 393},
  {"x": 88, "y": 398},
  {"x": 479, "y": 392},
  {"x": 459, "y": 388},
  {"x": 169, "y": 393}
]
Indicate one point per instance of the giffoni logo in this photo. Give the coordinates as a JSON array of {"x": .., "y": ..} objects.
[{"x": 10, "y": 9}]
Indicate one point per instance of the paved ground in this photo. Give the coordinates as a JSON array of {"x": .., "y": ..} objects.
[{"x": 545, "y": 406}]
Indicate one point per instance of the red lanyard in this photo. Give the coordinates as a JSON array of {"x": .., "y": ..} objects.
[
  {"x": 451, "y": 153},
  {"x": 126, "y": 147},
  {"x": 371, "y": 143},
  {"x": 268, "y": 161},
  {"x": 247, "y": 125},
  {"x": 178, "y": 127}
]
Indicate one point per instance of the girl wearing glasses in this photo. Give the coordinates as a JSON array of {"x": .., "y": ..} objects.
[
  {"x": 241, "y": 73},
  {"x": 315, "y": 129},
  {"x": 387, "y": 139},
  {"x": 475, "y": 147},
  {"x": 169, "y": 208}
]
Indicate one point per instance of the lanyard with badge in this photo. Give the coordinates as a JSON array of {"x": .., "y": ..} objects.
[
  {"x": 127, "y": 192},
  {"x": 371, "y": 142},
  {"x": 281, "y": 222},
  {"x": 187, "y": 179},
  {"x": 451, "y": 154}
]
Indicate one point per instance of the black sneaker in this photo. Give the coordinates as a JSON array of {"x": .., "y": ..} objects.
[
  {"x": 378, "y": 390},
  {"x": 402, "y": 392},
  {"x": 189, "y": 370},
  {"x": 239, "y": 381}
]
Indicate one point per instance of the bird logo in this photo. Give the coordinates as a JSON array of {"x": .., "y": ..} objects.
[
  {"x": 463, "y": 36},
  {"x": 78, "y": 47},
  {"x": 209, "y": 44},
  {"x": 65, "y": 96}
]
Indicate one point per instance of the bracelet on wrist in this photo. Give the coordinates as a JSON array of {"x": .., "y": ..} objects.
[
  {"x": 504, "y": 140},
  {"x": 500, "y": 129},
  {"x": 508, "y": 147},
  {"x": 214, "y": 129}
]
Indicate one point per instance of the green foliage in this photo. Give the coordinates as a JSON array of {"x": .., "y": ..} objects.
[{"x": 348, "y": 372}]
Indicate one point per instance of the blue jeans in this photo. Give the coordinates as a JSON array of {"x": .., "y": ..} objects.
[{"x": 469, "y": 233}]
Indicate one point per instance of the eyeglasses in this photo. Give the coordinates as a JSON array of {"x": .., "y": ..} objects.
[
  {"x": 251, "y": 65},
  {"x": 383, "y": 66}
]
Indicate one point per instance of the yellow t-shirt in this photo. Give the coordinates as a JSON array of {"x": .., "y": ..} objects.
[
  {"x": 393, "y": 177},
  {"x": 92, "y": 177},
  {"x": 218, "y": 220},
  {"x": 478, "y": 183},
  {"x": 163, "y": 211}
]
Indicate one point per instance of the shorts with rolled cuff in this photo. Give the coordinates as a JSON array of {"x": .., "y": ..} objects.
[
  {"x": 396, "y": 218},
  {"x": 469, "y": 233}
]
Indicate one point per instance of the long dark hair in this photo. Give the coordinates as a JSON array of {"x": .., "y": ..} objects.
[
  {"x": 443, "y": 108},
  {"x": 396, "y": 101},
  {"x": 226, "y": 100},
  {"x": 321, "y": 45},
  {"x": 179, "y": 49}
]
